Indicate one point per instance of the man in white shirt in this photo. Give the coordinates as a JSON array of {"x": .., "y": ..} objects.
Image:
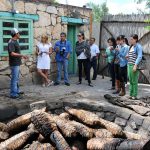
[{"x": 94, "y": 56}]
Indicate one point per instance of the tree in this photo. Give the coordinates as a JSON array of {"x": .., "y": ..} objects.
[
  {"x": 99, "y": 11},
  {"x": 147, "y": 2}
]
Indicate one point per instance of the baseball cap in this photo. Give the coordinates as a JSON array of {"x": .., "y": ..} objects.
[{"x": 14, "y": 31}]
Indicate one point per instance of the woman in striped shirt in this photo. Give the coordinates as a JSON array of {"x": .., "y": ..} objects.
[{"x": 134, "y": 57}]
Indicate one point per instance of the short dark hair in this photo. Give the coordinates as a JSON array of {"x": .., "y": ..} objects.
[
  {"x": 92, "y": 38},
  {"x": 82, "y": 33},
  {"x": 122, "y": 37},
  {"x": 135, "y": 37},
  {"x": 63, "y": 33}
]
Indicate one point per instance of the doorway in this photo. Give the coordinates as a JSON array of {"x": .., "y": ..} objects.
[{"x": 72, "y": 37}]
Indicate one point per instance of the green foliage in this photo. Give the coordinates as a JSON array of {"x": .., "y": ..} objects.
[{"x": 99, "y": 11}]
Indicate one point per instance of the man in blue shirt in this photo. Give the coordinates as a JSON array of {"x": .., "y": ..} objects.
[{"x": 63, "y": 50}]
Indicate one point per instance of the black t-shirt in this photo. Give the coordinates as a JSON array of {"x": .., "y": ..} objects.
[{"x": 13, "y": 46}]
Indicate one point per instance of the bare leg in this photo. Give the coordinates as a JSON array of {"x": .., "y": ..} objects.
[{"x": 43, "y": 75}]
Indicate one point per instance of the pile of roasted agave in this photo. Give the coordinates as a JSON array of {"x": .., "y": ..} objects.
[{"x": 74, "y": 129}]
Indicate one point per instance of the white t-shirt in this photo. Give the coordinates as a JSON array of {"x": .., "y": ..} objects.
[
  {"x": 94, "y": 50},
  {"x": 82, "y": 56}
]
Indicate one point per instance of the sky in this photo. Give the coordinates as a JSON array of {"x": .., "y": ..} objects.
[{"x": 115, "y": 6}]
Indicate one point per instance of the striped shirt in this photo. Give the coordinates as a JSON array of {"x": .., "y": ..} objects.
[{"x": 132, "y": 56}]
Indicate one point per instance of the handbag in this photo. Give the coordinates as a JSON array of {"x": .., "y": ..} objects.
[{"x": 142, "y": 64}]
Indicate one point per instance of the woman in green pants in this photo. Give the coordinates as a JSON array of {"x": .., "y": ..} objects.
[{"x": 134, "y": 58}]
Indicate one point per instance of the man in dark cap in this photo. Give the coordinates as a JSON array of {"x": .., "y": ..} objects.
[{"x": 15, "y": 61}]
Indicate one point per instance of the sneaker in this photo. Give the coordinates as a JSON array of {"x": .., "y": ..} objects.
[
  {"x": 21, "y": 93},
  {"x": 16, "y": 97},
  {"x": 68, "y": 84},
  {"x": 56, "y": 83},
  {"x": 43, "y": 85},
  {"x": 90, "y": 85},
  {"x": 79, "y": 83},
  {"x": 94, "y": 79},
  {"x": 134, "y": 98},
  {"x": 50, "y": 83}
]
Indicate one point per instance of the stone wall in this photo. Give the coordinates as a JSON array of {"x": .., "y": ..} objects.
[{"x": 49, "y": 23}]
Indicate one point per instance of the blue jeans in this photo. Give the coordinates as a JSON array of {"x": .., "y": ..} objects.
[
  {"x": 14, "y": 86},
  {"x": 63, "y": 64}
]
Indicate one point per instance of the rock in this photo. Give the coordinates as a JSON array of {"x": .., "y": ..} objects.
[
  {"x": 58, "y": 19},
  {"x": 51, "y": 104},
  {"x": 7, "y": 111},
  {"x": 146, "y": 123},
  {"x": 51, "y": 10},
  {"x": 109, "y": 108},
  {"x": 38, "y": 32},
  {"x": 129, "y": 129},
  {"x": 23, "y": 108},
  {"x": 20, "y": 6},
  {"x": 26, "y": 80},
  {"x": 4, "y": 65},
  {"x": 140, "y": 109},
  {"x": 110, "y": 116},
  {"x": 44, "y": 19},
  {"x": 56, "y": 31},
  {"x": 86, "y": 13},
  {"x": 41, "y": 7},
  {"x": 143, "y": 133},
  {"x": 137, "y": 119},
  {"x": 133, "y": 125},
  {"x": 53, "y": 19},
  {"x": 4, "y": 82},
  {"x": 49, "y": 30},
  {"x": 124, "y": 113},
  {"x": 33, "y": 68},
  {"x": 30, "y": 8},
  {"x": 100, "y": 114},
  {"x": 120, "y": 121},
  {"x": 36, "y": 78},
  {"x": 24, "y": 70},
  {"x": 28, "y": 63},
  {"x": 38, "y": 105},
  {"x": 5, "y": 5},
  {"x": 60, "y": 11}
]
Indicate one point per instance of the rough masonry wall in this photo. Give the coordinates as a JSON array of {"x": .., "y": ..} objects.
[{"x": 50, "y": 24}]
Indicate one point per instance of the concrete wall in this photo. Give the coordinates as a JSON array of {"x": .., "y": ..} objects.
[{"x": 50, "y": 24}]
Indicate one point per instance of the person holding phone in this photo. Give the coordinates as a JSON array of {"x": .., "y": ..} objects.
[
  {"x": 43, "y": 51},
  {"x": 109, "y": 54}
]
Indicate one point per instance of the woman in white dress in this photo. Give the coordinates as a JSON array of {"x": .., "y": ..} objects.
[{"x": 44, "y": 50}]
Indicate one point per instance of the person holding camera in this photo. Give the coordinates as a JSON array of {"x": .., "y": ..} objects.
[
  {"x": 63, "y": 50},
  {"x": 84, "y": 56}
]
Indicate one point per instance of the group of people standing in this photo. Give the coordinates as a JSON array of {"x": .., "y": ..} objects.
[
  {"x": 87, "y": 54},
  {"x": 123, "y": 60}
]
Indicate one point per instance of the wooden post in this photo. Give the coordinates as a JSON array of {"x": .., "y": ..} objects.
[{"x": 91, "y": 24}]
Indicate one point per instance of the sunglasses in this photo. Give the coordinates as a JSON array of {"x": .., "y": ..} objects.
[{"x": 79, "y": 35}]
